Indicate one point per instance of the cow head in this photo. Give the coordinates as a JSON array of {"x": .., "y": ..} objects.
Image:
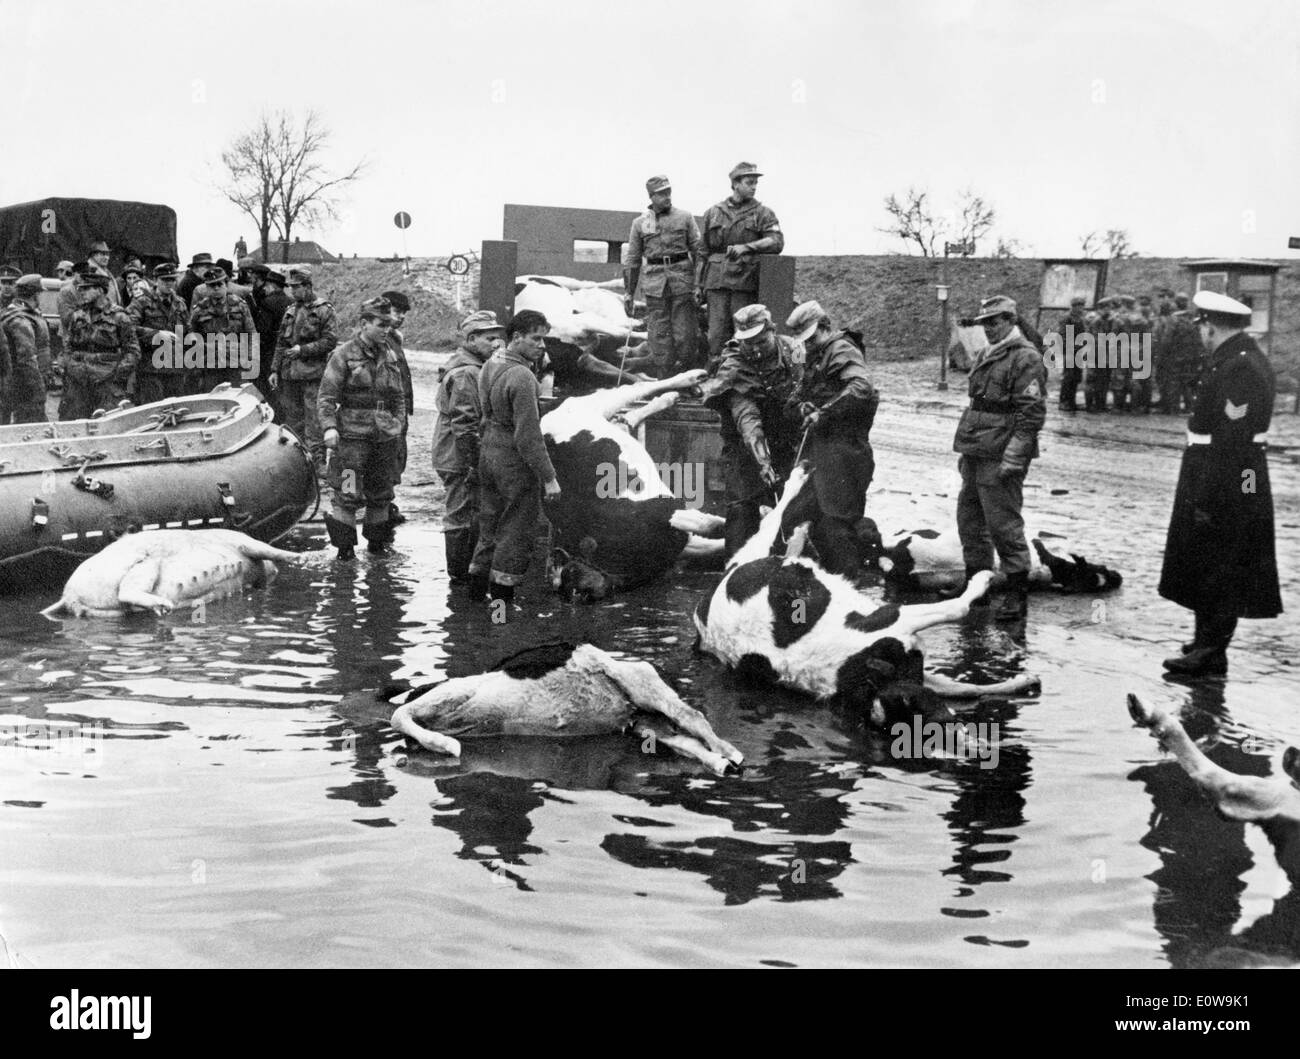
[
  {"x": 870, "y": 543},
  {"x": 578, "y": 579}
]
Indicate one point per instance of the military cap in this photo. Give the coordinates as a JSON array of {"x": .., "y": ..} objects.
[
  {"x": 804, "y": 320},
  {"x": 743, "y": 169},
  {"x": 658, "y": 183},
  {"x": 300, "y": 272},
  {"x": 200, "y": 259},
  {"x": 483, "y": 320},
  {"x": 1078, "y": 301},
  {"x": 751, "y": 320},
  {"x": 1220, "y": 304},
  {"x": 87, "y": 278},
  {"x": 256, "y": 268},
  {"x": 377, "y": 309},
  {"x": 399, "y": 301},
  {"x": 64, "y": 266},
  {"x": 10, "y": 272},
  {"x": 214, "y": 275},
  {"x": 165, "y": 271},
  {"x": 998, "y": 305},
  {"x": 273, "y": 276},
  {"x": 29, "y": 284},
  {"x": 99, "y": 247}
]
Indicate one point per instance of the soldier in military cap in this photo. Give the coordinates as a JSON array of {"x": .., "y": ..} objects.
[
  {"x": 1072, "y": 326},
  {"x": 9, "y": 276},
  {"x": 361, "y": 407},
  {"x": 836, "y": 404},
  {"x": 663, "y": 250},
  {"x": 27, "y": 341},
  {"x": 97, "y": 262},
  {"x": 456, "y": 434},
  {"x": 753, "y": 390},
  {"x": 736, "y": 231},
  {"x": 157, "y": 314},
  {"x": 307, "y": 338},
  {"x": 400, "y": 305},
  {"x": 1096, "y": 383},
  {"x": 219, "y": 313},
  {"x": 1181, "y": 354},
  {"x": 996, "y": 439},
  {"x": 100, "y": 351},
  {"x": 1220, "y": 557}
]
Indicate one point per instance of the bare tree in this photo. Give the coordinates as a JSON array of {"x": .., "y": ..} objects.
[
  {"x": 1089, "y": 244},
  {"x": 913, "y": 221},
  {"x": 975, "y": 217},
  {"x": 277, "y": 174},
  {"x": 1117, "y": 243},
  {"x": 1008, "y": 247}
]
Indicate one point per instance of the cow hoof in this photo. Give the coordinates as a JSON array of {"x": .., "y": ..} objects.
[{"x": 1147, "y": 718}]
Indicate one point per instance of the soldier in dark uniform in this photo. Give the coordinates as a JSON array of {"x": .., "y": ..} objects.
[
  {"x": 9, "y": 276},
  {"x": 456, "y": 435},
  {"x": 837, "y": 405},
  {"x": 1072, "y": 327},
  {"x": 361, "y": 406},
  {"x": 514, "y": 468},
  {"x": 1141, "y": 337},
  {"x": 736, "y": 231},
  {"x": 27, "y": 340},
  {"x": 156, "y": 315},
  {"x": 269, "y": 306},
  {"x": 1220, "y": 556},
  {"x": 219, "y": 313},
  {"x": 100, "y": 351},
  {"x": 306, "y": 339},
  {"x": 1183, "y": 351},
  {"x": 401, "y": 305},
  {"x": 663, "y": 250},
  {"x": 1096, "y": 384},
  {"x": 996, "y": 438},
  {"x": 753, "y": 390}
]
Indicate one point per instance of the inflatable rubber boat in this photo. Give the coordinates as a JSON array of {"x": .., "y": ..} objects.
[{"x": 69, "y": 489}]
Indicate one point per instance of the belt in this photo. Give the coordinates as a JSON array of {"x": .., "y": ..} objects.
[
  {"x": 983, "y": 404},
  {"x": 667, "y": 259},
  {"x": 1206, "y": 439}
]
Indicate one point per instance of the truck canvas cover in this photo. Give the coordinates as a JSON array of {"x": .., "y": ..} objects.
[{"x": 36, "y": 236}]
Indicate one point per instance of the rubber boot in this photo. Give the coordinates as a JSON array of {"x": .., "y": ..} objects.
[
  {"x": 342, "y": 536},
  {"x": 476, "y": 583},
  {"x": 1015, "y": 601},
  {"x": 395, "y": 516},
  {"x": 1208, "y": 657},
  {"x": 460, "y": 550},
  {"x": 379, "y": 535}
]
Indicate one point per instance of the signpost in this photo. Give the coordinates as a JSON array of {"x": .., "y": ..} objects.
[{"x": 403, "y": 221}]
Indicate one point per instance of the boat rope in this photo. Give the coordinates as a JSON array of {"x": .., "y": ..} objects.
[{"x": 69, "y": 457}]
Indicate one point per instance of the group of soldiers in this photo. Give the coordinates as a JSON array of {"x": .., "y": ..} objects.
[{"x": 1176, "y": 354}]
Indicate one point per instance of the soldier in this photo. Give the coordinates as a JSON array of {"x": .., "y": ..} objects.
[
  {"x": 1142, "y": 354},
  {"x": 736, "y": 231},
  {"x": 837, "y": 404},
  {"x": 753, "y": 390},
  {"x": 1071, "y": 327},
  {"x": 1184, "y": 352},
  {"x": 1220, "y": 557},
  {"x": 269, "y": 306},
  {"x": 401, "y": 305},
  {"x": 193, "y": 277},
  {"x": 157, "y": 315},
  {"x": 513, "y": 467},
  {"x": 306, "y": 339},
  {"x": 996, "y": 439},
  {"x": 1096, "y": 384},
  {"x": 97, "y": 262},
  {"x": 219, "y": 313},
  {"x": 9, "y": 276},
  {"x": 241, "y": 249},
  {"x": 667, "y": 240},
  {"x": 27, "y": 338},
  {"x": 361, "y": 407},
  {"x": 100, "y": 351},
  {"x": 456, "y": 434},
  {"x": 1160, "y": 332}
]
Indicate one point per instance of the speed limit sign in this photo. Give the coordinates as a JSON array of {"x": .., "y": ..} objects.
[
  {"x": 458, "y": 265},
  {"x": 402, "y": 219}
]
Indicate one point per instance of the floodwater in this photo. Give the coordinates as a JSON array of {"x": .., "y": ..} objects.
[{"x": 236, "y": 797}]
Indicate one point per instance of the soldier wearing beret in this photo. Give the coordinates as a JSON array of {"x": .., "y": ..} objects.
[
  {"x": 157, "y": 313},
  {"x": 1220, "y": 556},
  {"x": 996, "y": 439},
  {"x": 456, "y": 434},
  {"x": 663, "y": 249},
  {"x": 100, "y": 351},
  {"x": 307, "y": 338},
  {"x": 736, "y": 231},
  {"x": 837, "y": 406},
  {"x": 27, "y": 342},
  {"x": 225, "y": 316},
  {"x": 753, "y": 390},
  {"x": 361, "y": 407}
]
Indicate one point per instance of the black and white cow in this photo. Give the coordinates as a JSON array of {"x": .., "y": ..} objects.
[
  {"x": 616, "y": 524},
  {"x": 929, "y": 560},
  {"x": 558, "y": 690},
  {"x": 785, "y": 620}
]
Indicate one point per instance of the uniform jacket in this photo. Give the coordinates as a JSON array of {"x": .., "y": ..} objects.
[
  {"x": 114, "y": 293},
  {"x": 101, "y": 343},
  {"x": 1220, "y": 552},
  {"x": 312, "y": 328},
  {"x": 361, "y": 393},
  {"x": 655, "y": 236},
  {"x": 230, "y": 316},
  {"x": 151, "y": 313},
  {"x": 1008, "y": 384},
  {"x": 458, "y": 411},
  {"x": 27, "y": 337},
  {"x": 838, "y": 372},
  {"x": 728, "y": 224},
  {"x": 507, "y": 393},
  {"x": 755, "y": 400},
  {"x": 395, "y": 340},
  {"x": 1180, "y": 349}
]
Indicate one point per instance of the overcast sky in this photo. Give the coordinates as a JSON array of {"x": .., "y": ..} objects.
[{"x": 1177, "y": 121}]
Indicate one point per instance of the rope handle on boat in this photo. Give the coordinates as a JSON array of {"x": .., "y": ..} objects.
[
  {"x": 69, "y": 457},
  {"x": 156, "y": 443}
]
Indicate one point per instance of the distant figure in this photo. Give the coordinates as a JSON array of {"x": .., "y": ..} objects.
[
  {"x": 1071, "y": 373},
  {"x": 241, "y": 250}
]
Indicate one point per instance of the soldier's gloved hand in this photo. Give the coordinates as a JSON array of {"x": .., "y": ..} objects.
[
  {"x": 552, "y": 487},
  {"x": 768, "y": 474},
  {"x": 331, "y": 438},
  {"x": 735, "y": 253}
]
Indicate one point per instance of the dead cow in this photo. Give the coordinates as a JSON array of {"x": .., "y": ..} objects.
[
  {"x": 788, "y": 621},
  {"x": 559, "y": 690},
  {"x": 616, "y": 523}
]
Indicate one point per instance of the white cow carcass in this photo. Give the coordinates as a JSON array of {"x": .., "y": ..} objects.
[{"x": 575, "y": 314}]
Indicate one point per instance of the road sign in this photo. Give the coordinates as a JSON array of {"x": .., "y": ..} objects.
[
  {"x": 402, "y": 219},
  {"x": 458, "y": 265},
  {"x": 1293, "y": 243}
]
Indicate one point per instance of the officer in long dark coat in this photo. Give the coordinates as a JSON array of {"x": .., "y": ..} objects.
[{"x": 1220, "y": 559}]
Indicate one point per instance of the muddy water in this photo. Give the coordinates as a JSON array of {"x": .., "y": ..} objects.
[{"x": 239, "y": 800}]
